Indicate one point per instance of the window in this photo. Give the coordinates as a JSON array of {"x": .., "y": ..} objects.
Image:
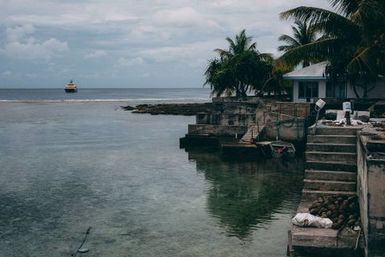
[
  {"x": 337, "y": 90},
  {"x": 307, "y": 89}
]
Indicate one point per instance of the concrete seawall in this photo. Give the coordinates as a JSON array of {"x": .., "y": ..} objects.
[
  {"x": 233, "y": 117},
  {"x": 371, "y": 192}
]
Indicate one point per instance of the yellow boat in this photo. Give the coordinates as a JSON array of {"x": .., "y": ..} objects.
[{"x": 71, "y": 87}]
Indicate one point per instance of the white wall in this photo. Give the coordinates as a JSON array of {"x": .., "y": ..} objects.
[
  {"x": 295, "y": 93},
  {"x": 377, "y": 92},
  {"x": 322, "y": 89}
]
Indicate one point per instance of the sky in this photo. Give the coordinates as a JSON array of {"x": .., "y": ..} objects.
[{"x": 131, "y": 43}]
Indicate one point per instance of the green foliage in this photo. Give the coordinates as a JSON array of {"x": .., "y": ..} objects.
[
  {"x": 239, "y": 69},
  {"x": 303, "y": 34},
  {"x": 353, "y": 39}
]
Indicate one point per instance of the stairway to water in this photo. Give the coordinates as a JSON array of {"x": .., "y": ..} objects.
[{"x": 330, "y": 169}]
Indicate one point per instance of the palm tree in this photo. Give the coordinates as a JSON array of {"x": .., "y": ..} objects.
[
  {"x": 353, "y": 39},
  {"x": 303, "y": 34},
  {"x": 275, "y": 83},
  {"x": 238, "y": 69}
]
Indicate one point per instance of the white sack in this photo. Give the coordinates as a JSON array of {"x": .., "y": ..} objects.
[{"x": 308, "y": 220}]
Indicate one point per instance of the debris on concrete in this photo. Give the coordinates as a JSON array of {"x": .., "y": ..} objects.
[
  {"x": 309, "y": 220},
  {"x": 342, "y": 210}
]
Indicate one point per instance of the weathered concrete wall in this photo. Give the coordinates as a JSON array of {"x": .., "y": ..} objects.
[
  {"x": 227, "y": 119},
  {"x": 217, "y": 130},
  {"x": 231, "y": 112},
  {"x": 293, "y": 130},
  {"x": 232, "y": 116},
  {"x": 376, "y": 202},
  {"x": 371, "y": 190},
  {"x": 248, "y": 99},
  {"x": 362, "y": 186},
  {"x": 301, "y": 110}
]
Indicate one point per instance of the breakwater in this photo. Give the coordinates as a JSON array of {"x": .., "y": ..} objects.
[{"x": 186, "y": 109}]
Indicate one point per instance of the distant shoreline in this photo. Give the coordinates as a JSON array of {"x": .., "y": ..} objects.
[
  {"x": 154, "y": 108},
  {"x": 186, "y": 109},
  {"x": 139, "y": 100},
  {"x": 64, "y": 101}
]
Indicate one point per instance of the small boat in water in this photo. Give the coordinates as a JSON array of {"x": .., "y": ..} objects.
[
  {"x": 71, "y": 87},
  {"x": 276, "y": 149},
  {"x": 282, "y": 149}
]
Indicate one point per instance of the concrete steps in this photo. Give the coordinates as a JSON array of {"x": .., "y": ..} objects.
[
  {"x": 311, "y": 195},
  {"x": 252, "y": 133},
  {"x": 335, "y": 131},
  {"x": 348, "y": 158},
  {"x": 334, "y": 139},
  {"x": 323, "y": 238},
  {"x": 331, "y": 161},
  {"x": 330, "y": 147},
  {"x": 330, "y": 170},
  {"x": 329, "y": 185},
  {"x": 330, "y": 175},
  {"x": 330, "y": 166}
]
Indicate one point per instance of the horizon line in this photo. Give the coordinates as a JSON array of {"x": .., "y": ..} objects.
[{"x": 107, "y": 88}]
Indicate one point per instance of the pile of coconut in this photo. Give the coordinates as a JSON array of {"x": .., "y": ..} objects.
[{"x": 342, "y": 210}]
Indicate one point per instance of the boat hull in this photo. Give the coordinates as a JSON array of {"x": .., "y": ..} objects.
[
  {"x": 281, "y": 149},
  {"x": 67, "y": 90}
]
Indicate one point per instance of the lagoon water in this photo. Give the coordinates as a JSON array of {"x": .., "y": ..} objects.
[
  {"x": 131, "y": 95},
  {"x": 68, "y": 166}
]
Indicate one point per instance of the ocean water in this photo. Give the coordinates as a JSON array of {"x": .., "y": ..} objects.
[
  {"x": 68, "y": 166},
  {"x": 134, "y": 95}
]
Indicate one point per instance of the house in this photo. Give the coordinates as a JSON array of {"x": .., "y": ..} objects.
[{"x": 311, "y": 83}]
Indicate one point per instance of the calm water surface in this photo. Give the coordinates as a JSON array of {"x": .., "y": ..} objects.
[
  {"x": 132, "y": 95},
  {"x": 66, "y": 167}
]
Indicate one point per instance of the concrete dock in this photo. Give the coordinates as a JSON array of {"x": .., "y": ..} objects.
[{"x": 331, "y": 170}]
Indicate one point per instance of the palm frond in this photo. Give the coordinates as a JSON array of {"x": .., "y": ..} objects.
[
  {"x": 361, "y": 61},
  {"x": 289, "y": 40},
  {"x": 346, "y": 7},
  {"x": 318, "y": 50},
  {"x": 325, "y": 21}
]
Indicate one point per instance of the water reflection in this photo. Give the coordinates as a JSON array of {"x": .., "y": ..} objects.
[{"x": 245, "y": 195}]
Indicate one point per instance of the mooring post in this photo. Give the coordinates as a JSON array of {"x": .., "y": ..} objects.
[{"x": 289, "y": 251}]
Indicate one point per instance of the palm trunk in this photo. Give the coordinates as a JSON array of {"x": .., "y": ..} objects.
[{"x": 355, "y": 91}]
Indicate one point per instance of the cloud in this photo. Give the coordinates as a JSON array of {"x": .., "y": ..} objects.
[
  {"x": 130, "y": 61},
  {"x": 19, "y": 32},
  {"x": 95, "y": 54},
  {"x": 183, "y": 17},
  {"x": 20, "y": 44},
  {"x": 181, "y": 53},
  {"x": 6, "y": 73},
  {"x": 156, "y": 36}
]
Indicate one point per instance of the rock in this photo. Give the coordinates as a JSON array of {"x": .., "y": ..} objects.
[
  {"x": 343, "y": 211},
  {"x": 351, "y": 222},
  {"x": 83, "y": 250},
  {"x": 174, "y": 109},
  {"x": 127, "y": 108}
]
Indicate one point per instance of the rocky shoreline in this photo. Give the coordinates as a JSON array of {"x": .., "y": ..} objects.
[{"x": 186, "y": 109}]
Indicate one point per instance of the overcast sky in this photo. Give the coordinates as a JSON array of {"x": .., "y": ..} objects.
[{"x": 131, "y": 43}]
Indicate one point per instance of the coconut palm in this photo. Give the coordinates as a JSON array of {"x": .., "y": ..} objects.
[
  {"x": 303, "y": 34},
  {"x": 238, "y": 69},
  {"x": 353, "y": 39}
]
